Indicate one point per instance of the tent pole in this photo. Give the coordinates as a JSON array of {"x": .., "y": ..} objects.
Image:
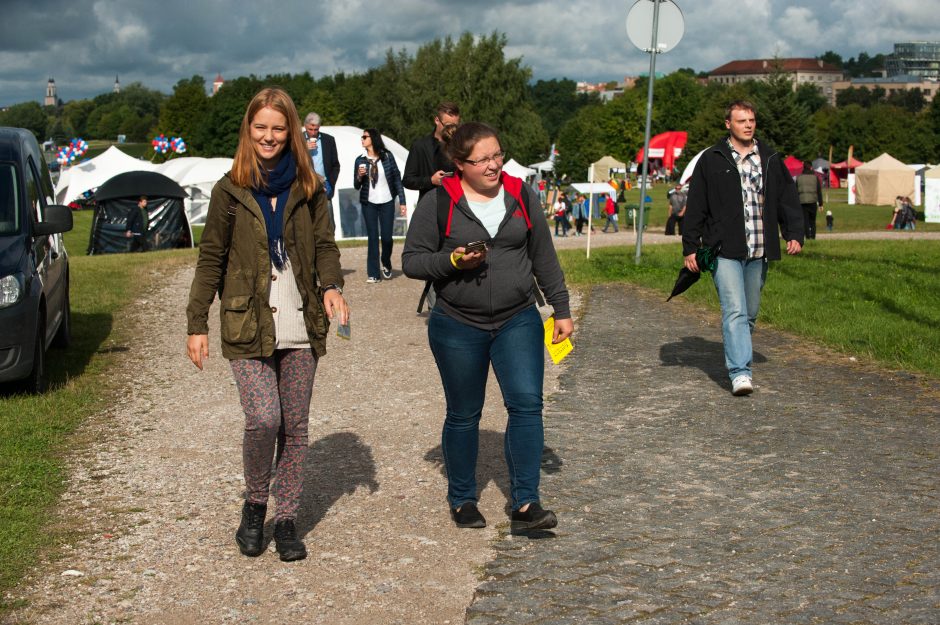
[{"x": 590, "y": 214}]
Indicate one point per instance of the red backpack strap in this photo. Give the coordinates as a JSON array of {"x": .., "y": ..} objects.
[
  {"x": 513, "y": 187},
  {"x": 454, "y": 191}
]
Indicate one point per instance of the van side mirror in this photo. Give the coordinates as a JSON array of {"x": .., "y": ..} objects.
[{"x": 57, "y": 219}]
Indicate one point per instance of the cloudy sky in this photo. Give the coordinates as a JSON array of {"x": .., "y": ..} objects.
[{"x": 83, "y": 44}]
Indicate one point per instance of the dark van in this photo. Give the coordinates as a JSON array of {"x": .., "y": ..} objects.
[{"x": 34, "y": 267}]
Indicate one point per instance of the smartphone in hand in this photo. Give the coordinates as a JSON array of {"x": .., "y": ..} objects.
[
  {"x": 475, "y": 246},
  {"x": 342, "y": 330}
]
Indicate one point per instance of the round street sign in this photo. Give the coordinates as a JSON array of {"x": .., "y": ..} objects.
[{"x": 640, "y": 25}]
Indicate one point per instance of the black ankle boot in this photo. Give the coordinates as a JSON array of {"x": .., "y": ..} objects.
[
  {"x": 286, "y": 542},
  {"x": 250, "y": 534}
]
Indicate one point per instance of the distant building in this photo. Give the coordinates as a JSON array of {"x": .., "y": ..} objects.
[
  {"x": 916, "y": 58},
  {"x": 217, "y": 83},
  {"x": 803, "y": 71},
  {"x": 51, "y": 98},
  {"x": 890, "y": 84},
  {"x": 117, "y": 85}
]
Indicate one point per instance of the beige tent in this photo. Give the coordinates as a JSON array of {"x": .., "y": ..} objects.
[
  {"x": 881, "y": 180},
  {"x": 603, "y": 166}
]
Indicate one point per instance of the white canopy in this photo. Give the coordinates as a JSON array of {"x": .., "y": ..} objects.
[
  {"x": 594, "y": 188},
  {"x": 687, "y": 172},
  {"x": 175, "y": 168},
  {"x": 543, "y": 166},
  {"x": 198, "y": 181},
  {"x": 93, "y": 173},
  {"x": 513, "y": 168}
]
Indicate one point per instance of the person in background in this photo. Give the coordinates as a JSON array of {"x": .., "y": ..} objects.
[
  {"x": 275, "y": 307},
  {"x": 486, "y": 315},
  {"x": 746, "y": 210},
  {"x": 379, "y": 184},
  {"x": 809, "y": 190},
  {"x": 323, "y": 155},
  {"x": 137, "y": 225},
  {"x": 677, "y": 199},
  {"x": 829, "y": 220},
  {"x": 427, "y": 162},
  {"x": 610, "y": 211},
  {"x": 561, "y": 217}
]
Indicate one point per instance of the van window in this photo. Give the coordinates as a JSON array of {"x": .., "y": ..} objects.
[
  {"x": 37, "y": 205},
  {"x": 9, "y": 200}
]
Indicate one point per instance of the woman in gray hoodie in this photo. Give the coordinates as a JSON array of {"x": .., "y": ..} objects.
[{"x": 474, "y": 238}]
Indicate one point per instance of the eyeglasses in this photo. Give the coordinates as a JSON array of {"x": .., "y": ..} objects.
[
  {"x": 496, "y": 159},
  {"x": 364, "y": 137}
]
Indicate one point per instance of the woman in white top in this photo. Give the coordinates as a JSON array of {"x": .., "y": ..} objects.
[{"x": 379, "y": 182}]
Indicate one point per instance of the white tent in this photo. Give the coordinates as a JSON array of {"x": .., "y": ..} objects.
[
  {"x": 687, "y": 172},
  {"x": 932, "y": 195},
  {"x": 880, "y": 180},
  {"x": 347, "y": 213},
  {"x": 513, "y": 168},
  {"x": 176, "y": 168},
  {"x": 543, "y": 166},
  {"x": 198, "y": 182},
  {"x": 93, "y": 173},
  {"x": 594, "y": 188}
]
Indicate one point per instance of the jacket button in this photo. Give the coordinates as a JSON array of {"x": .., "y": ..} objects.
[
  {"x": 274, "y": 309},
  {"x": 273, "y": 278}
]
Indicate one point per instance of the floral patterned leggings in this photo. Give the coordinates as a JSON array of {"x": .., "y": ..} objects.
[{"x": 275, "y": 395}]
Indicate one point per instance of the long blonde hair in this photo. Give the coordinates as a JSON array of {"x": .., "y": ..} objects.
[{"x": 247, "y": 170}]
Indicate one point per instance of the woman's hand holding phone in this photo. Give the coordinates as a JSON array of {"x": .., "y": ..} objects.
[{"x": 469, "y": 256}]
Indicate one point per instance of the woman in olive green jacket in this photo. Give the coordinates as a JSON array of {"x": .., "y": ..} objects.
[{"x": 268, "y": 251}]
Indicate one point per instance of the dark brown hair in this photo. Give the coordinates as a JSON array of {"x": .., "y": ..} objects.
[
  {"x": 447, "y": 108},
  {"x": 465, "y": 138}
]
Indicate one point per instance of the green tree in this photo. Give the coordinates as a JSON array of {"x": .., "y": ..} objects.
[
  {"x": 831, "y": 57},
  {"x": 781, "y": 117},
  {"x": 810, "y": 97},
  {"x": 581, "y": 141},
  {"x": 677, "y": 99},
  {"x": 911, "y": 100},
  {"x": 218, "y": 135},
  {"x": 182, "y": 114},
  {"x": 28, "y": 115},
  {"x": 556, "y": 102},
  {"x": 75, "y": 116}
]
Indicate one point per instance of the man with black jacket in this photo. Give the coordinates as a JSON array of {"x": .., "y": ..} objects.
[
  {"x": 427, "y": 162},
  {"x": 740, "y": 193}
]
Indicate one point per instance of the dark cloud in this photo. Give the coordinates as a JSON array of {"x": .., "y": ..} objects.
[{"x": 84, "y": 43}]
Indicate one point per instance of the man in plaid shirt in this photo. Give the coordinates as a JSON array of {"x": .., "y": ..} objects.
[{"x": 739, "y": 194}]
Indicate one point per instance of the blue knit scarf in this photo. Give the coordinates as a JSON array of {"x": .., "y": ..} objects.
[{"x": 277, "y": 184}]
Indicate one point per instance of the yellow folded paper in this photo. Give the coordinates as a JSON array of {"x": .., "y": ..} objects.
[{"x": 557, "y": 351}]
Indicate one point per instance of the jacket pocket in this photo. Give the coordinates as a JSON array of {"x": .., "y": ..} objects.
[
  {"x": 315, "y": 316},
  {"x": 239, "y": 320}
]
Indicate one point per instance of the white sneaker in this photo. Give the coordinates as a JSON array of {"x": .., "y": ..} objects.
[
  {"x": 741, "y": 385},
  {"x": 386, "y": 272},
  {"x": 372, "y": 280}
]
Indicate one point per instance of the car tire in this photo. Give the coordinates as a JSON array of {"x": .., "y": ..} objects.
[
  {"x": 63, "y": 336},
  {"x": 37, "y": 383}
]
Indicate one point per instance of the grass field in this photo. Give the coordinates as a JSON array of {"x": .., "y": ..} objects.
[
  {"x": 37, "y": 432},
  {"x": 876, "y": 299}
]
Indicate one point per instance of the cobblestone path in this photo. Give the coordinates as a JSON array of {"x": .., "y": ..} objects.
[{"x": 812, "y": 501}]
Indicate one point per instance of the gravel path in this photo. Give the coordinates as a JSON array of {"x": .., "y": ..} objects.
[
  {"x": 154, "y": 497},
  {"x": 157, "y": 496}
]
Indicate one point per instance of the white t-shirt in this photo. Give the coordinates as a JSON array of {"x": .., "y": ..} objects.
[
  {"x": 490, "y": 213},
  {"x": 381, "y": 192}
]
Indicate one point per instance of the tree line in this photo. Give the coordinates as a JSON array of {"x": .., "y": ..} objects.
[{"x": 398, "y": 97}]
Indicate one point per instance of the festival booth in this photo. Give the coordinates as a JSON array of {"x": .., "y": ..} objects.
[
  {"x": 840, "y": 171},
  {"x": 665, "y": 147},
  {"x": 166, "y": 224},
  {"x": 881, "y": 180},
  {"x": 932, "y": 195},
  {"x": 347, "y": 212},
  {"x": 513, "y": 168},
  {"x": 91, "y": 174},
  {"x": 793, "y": 165}
]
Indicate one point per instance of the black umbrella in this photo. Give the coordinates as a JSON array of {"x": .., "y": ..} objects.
[{"x": 707, "y": 259}]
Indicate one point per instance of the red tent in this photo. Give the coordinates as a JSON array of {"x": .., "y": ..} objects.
[
  {"x": 840, "y": 171},
  {"x": 794, "y": 165},
  {"x": 666, "y": 146}
]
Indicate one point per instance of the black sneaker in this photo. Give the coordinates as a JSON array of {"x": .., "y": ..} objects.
[
  {"x": 286, "y": 542},
  {"x": 534, "y": 518},
  {"x": 468, "y": 516},
  {"x": 386, "y": 272},
  {"x": 250, "y": 534}
]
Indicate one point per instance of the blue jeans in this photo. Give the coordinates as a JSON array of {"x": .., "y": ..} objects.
[
  {"x": 463, "y": 354},
  {"x": 739, "y": 283},
  {"x": 378, "y": 217}
]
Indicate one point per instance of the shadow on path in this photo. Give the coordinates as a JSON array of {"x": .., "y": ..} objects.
[
  {"x": 491, "y": 463},
  {"x": 698, "y": 352}
]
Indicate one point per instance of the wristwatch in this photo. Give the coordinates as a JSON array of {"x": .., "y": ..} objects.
[{"x": 332, "y": 287}]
